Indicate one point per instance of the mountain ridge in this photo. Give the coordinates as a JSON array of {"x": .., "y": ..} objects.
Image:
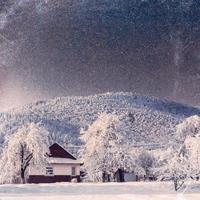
[
  {"x": 153, "y": 120},
  {"x": 145, "y": 101}
]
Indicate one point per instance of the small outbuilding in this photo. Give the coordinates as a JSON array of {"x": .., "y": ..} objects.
[{"x": 62, "y": 167}]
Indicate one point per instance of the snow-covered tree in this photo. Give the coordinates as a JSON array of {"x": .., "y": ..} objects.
[
  {"x": 106, "y": 147},
  {"x": 190, "y": 126},
  {"x": 191, "y": 149},
  {"x": 173, "y": 166},
  {"x": 188, "y": 133},
  {"x": 184, "y": 162},
  {"x": 27, "y": 147},
  {"x": 177, "y": 170},
  {"x": 146, "y": 161},
  {"x": 184, "y": 159}
]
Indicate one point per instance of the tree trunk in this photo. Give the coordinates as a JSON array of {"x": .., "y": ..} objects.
[
  {"x": 22, "y": 163},
  {"x": 104, "y": 177},
  {"x": 23, "y": 181},
  {"x": 177, "y": 183}
]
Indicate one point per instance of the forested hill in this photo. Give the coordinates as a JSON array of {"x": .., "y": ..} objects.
[{"x": 152, "y": 120}]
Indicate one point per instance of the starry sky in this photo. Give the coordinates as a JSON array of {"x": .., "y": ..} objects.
[{"x": 67, "y": 47}]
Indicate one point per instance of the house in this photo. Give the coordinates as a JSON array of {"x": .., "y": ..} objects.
[
  {"x": 124, "y": 176},
  {"x": 61, "y": 167}
]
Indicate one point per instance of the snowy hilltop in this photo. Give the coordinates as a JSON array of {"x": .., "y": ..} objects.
[{"x": 151, "y": 120}]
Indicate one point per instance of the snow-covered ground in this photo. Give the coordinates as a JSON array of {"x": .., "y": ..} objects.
[{"x": 99, "y": 191}]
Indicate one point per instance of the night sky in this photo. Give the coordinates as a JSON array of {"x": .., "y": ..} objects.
[{"x": 82, "y": 47}]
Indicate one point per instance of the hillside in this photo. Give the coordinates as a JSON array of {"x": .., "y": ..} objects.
[{"x": 152, "y": 120}]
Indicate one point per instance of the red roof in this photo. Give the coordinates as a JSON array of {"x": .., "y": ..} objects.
[{"x": 56, "y": 151}]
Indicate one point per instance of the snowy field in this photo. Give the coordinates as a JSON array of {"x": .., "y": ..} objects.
[{"x": 101, "y": 191}]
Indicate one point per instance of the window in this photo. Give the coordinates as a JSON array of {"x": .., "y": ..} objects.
[
  {"x": 49, "y": 171},
  {"x": 73, "y": 171}
]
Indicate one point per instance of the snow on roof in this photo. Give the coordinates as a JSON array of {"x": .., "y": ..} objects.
[{"x": 63, "y": 161}]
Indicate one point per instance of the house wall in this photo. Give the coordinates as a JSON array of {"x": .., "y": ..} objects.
[
  {"x": 129, "y": 177},
  {"x": 51, "y": 179},
  {"x": 65, "y": 169},
  {"x": 58, "y": 169},
  {"x": 62, "y": 173}
]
